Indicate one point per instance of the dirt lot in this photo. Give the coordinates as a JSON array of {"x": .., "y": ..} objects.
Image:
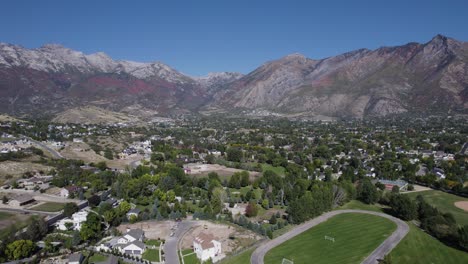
[
  {"x": 243, "y": 237},
  {"x": 204, "y": 169},
  {"x": 17, "y": 169},
  {"x": 122, "y": 163},
  {"x": 462, "y": 205},
  {"x": 81, "y": 151},
  {"x": 153, "y": 229},
  {"x": 13, "y": 218}
]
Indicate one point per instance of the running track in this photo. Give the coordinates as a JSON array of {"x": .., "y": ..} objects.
[{"x": 378, "y": 253}]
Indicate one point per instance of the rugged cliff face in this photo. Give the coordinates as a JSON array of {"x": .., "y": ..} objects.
[
  {"x": 414, "y": 77},
  {"x": 428, "y": 78}
]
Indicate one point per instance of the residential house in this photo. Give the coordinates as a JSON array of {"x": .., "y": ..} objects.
[
  {"x": 440, "y": 173},
  {"x": 133, "y": 213},
  {"x": 402, "y": 185},
  {"x": 132, "y": 248},
  {"x": 75, "y": 258},
  {"x": 130, "y": 243},
  {"x": 21, "y": 200},
  {"x": 131, "y": 236},
  {"x": 206, "y": 247},
  {"x": 68, "y": 190},
  {"x": 76, "y": 221}
]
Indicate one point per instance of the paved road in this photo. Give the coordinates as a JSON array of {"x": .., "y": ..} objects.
[
  {"x": 42, "y": 197},
  {"x": 52, "y": 151},
  {"x": 378, "y": 253},
  {"x": 172, "y": 243},
  {"x": 26, "y": 211}
]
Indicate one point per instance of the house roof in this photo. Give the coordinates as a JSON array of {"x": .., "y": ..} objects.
[
  {"x": 205, "y": 240},
  {"x": 399, "y": 183},
  {"x": 135, "y": 233},
  {"x": 134, "y": 211},
  {"x": 75, "y": 257},
  {"x": 136, "y": 243},
  {"x": 22, "y": 198}
]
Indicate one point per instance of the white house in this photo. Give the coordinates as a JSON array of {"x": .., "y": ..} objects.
[
  {"x": 206, "y": 247},
  {"x": 132, "y": 248},
  {"x": 130, "y": 243},
  {"x": 77, "y": 219},
  {"x": 78, "y": 140}
]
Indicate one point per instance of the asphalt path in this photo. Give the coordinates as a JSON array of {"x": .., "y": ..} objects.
[
  {"x": 52, "y": 151},
  {"x": 384, "y": 248},
  {"x": 172, "y": 243}
]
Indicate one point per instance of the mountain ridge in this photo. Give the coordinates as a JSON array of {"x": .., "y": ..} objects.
[{"x": 414, "y": 77}]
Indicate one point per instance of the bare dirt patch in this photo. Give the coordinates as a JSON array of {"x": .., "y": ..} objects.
[
  {"x": 81, "y": 151},
  {"x": 462, "y": 205},
  {"x": 205, "y": 169},
  {"x": 14, "y": 218},
  {"x": 242, "y": 237},
  {"x": 17, "y": 169},
  {"x": 153, "y": 229}
]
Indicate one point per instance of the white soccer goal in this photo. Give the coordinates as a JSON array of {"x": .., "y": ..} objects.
[
  {"x": 287, "y": 261},
  {"x": 330, "y": 238}
]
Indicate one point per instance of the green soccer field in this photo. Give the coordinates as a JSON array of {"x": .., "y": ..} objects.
[{"x": 356, "y": 236}]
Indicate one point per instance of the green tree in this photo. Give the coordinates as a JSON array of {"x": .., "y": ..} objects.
[
  {"x": 234, "y": 154},
  {"x": 36, "y": 229},
  {"x": 108, "y": 154},
  {"x": 403, "y": 207},
  {"x": 463, "y": 237},
  {"x": 244, "y": 179},
  {"x": 235, "y": 181},
  {"x": 251, "y": 210},
  {"x": 69, "y": 209},
  {"x": 123, "y": 208},
  {"x": 367, "y": 192},
  {"x": 19, "y": 249},
  {"x": 273, "y": 220},
  {"x": 91, "y": 229}
]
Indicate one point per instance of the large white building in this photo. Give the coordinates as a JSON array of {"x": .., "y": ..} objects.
[
  {"x": 206, "y": 247},
  {"x": 76, "y": 220}
]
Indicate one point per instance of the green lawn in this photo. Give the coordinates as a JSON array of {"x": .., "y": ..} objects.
[
  {"x": 278, "y": 170},
  {"x": 242, "y": 258},
  {"x": 356, "y": 236},
  {"x": 355, "y": 204},
  {"x": 153, "y": 242},
  {"x": 191, "y": 259},
  {"x": 244, "y": 190},
  {"x": 4, "y": 215},
  {"x": 445, "y": 203},
  {"x": 151, "y": 255},
  {"x": 419, "y": 247},
  {"x": 97, "y": 258},
  {"x": 49, "y": 207}
]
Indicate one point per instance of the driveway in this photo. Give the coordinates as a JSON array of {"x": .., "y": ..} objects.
[
  {"x": 171, "y": 246},
  {"x": 378, "y": 253}
]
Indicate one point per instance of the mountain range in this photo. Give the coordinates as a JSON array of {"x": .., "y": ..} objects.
[{"x": 419, "y": 78}]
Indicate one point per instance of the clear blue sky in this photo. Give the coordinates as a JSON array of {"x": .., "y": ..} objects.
[{"x": 201, "y": 36}]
